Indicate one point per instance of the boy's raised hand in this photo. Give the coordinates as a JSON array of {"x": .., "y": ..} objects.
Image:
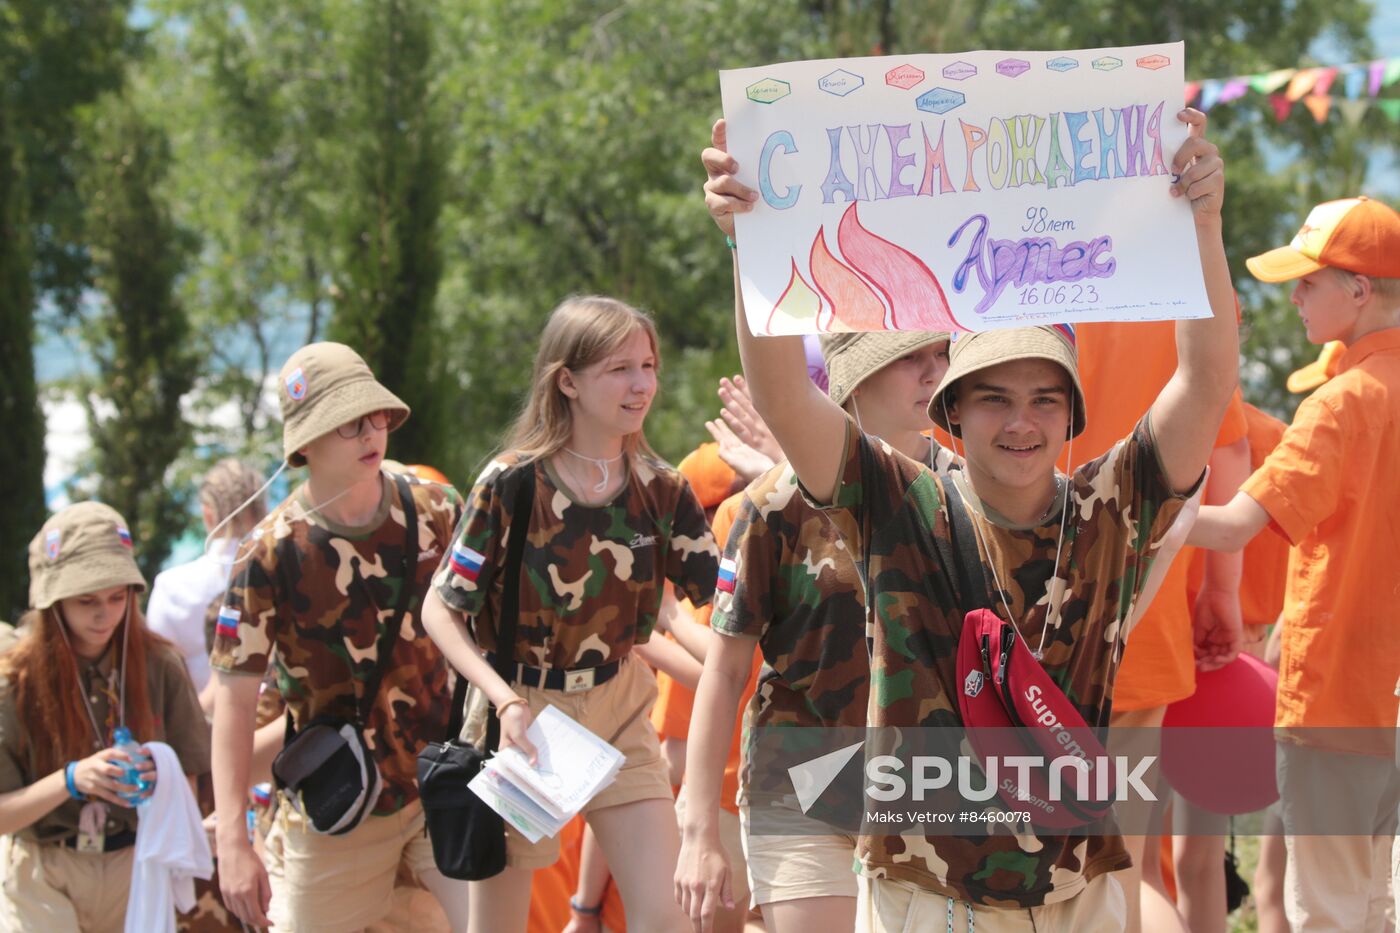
[
  {"x": 1199, "y": 169},
  {"x": 725, "y": 195}
]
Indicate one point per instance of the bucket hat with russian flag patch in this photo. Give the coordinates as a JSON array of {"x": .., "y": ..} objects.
[
  {"x": 325, "y": 385},
  {"x": 83, "y": 548}
]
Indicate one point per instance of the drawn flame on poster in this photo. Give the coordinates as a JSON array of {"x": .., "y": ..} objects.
[{"x": 879, "y": 286}]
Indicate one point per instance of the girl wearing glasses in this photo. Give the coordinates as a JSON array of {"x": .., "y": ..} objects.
[{"x": 610, "y": 522}]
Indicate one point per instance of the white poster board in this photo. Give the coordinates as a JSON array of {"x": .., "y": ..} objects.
[{"x": 965, "y": 191}]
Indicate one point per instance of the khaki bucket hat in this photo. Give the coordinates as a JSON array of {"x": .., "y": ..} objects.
[
  {"x": 321, "y": 387},
  {"x": 853, "y": 358},
  {"x": 81, "y": 549},
  {"x": 971, "y": 352}
]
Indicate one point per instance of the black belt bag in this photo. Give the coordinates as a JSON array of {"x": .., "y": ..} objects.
[
  {"x": 326, "y": 771},
  {"x": 468, "y": 837}
]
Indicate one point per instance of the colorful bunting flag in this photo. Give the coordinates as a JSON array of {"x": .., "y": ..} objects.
[
  {"x": 1319, "y": 105},
  {"x": 1268, "y": 83},
  {"x": 1352, "y": 111},
  {"x": 1312, "y": 86}
]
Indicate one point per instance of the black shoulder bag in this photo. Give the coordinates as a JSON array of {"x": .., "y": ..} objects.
[
  {"x": 468, "y": 837},
  {"x": 326, "y": 771}
]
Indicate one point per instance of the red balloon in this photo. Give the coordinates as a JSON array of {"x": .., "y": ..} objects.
[{"x": 1218, "y": 743}]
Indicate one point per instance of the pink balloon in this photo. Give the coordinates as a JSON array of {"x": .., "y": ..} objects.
[{"x": 1218, "y": 744}]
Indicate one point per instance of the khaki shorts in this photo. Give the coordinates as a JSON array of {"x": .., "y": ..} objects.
[
  {"x": 51, "y": 887},
  {"x": 1337, "y": 883},
  {"x": 790, "y": 868},
  {"x": 887, "y": 906},
  {"x": 731, "y": 836},
  {"x": 340, "y": 883},
  {"x": 618, "y": 711}
]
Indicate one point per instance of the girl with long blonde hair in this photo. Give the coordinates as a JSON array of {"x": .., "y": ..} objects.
[{"x": 609, "y": 523}]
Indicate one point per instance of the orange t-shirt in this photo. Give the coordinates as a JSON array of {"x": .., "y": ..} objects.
[
  {"x": 1330, "y": 488},
  {"x": 671, "y": 714},
  {"x": 1265, "y": 571},
  {"x": 1123, "y": 367},
  {"x": 674, "y": 706}
]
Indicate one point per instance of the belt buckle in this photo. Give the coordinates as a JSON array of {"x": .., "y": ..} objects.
[
  {"x": 579, "y": 681},
  {"x": 91, "y": 842}
]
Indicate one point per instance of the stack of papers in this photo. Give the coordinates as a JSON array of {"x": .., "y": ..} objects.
[{"x": 573, "y": 765}]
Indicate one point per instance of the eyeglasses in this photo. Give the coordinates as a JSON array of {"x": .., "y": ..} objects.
[{"x": 378, "y": 420}]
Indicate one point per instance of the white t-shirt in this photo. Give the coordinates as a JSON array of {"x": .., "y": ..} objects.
[{"x": 181, "y": 597}]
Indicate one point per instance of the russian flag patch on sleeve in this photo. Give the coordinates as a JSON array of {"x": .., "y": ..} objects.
[
  {"x": 725, "y": 583},
  {"x": 227, "y": 625},
  {"x": 466, "y": 563}
]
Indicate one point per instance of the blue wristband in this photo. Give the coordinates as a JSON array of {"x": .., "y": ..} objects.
[
  {"x": 68, "y": 779},
  {"x": 729, "y": 241}
]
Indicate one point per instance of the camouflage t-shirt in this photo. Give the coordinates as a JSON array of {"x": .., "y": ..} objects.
[
  {"x": 1120, "y": 505},
  {"x": 313, "y": 598},
  {"x": 594, "y": 573},
  {"x": 798, "y": 591}
]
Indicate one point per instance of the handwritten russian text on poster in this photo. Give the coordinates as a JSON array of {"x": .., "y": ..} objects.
[{"x": 966, "y": 191}]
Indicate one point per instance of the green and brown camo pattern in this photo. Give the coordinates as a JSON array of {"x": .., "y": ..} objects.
[
  {"x": 1120, "y": 506},
  {"x": 298, "y": 577},
  {"x": 799, "y": 592},
  {"x": 594, "y": 574}
]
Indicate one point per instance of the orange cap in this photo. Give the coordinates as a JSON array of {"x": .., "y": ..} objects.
[
  {"x": 1319, "y": 370},
  {"x": 708, "y": 475},
  {"x": 1355, "y": 234}
]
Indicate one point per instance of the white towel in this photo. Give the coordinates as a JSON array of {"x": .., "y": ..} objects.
[{"x": 171, "y": 849}]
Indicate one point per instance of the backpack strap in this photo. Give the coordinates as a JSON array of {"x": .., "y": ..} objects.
[
  {"x": 508, "y": 624},
  {"x": 407, "y": 588},
  {"x": 960, "y": 555}
]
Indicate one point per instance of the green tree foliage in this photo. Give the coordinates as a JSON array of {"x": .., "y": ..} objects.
[
  {"x": 390, "y": 252},
  {"x": 442, "y": 174},
  {"x": 251, "y": 97},
  {"x": 140, "y": 337},
  {"x": 22, "y": 469},
  {"x": 577, "y": 171},
  {"x": 53, "y": 58}
]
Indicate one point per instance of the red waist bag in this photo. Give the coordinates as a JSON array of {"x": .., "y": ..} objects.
[{"x": 1011, "y": 707}]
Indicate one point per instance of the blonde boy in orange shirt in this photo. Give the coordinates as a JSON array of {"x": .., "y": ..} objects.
[{"x": 1331, "y": 489}]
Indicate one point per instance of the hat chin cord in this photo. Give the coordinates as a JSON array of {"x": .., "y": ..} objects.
[
  {"x": 1053, "y": 592},
  {"x": 121, "y": 686},
  {"x": 246, "y": 502}
]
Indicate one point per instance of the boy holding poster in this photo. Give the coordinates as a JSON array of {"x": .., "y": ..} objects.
[
  {"x": 1013, "y": 399},
  {"x": 1329, "y": 488}
]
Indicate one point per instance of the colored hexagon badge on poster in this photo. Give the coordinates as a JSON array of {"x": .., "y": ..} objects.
[
  {"x": 768, "y": 90},
  {"x": 904, "y": 77},
  {"x": 1153, "y": 62},
  {"x": 1107, "y": 63},
  {"x": 940, "y": 100},
  {"x": 959, "y": 71},
  {"x": 840, "y": 82},
  {"x": 1013, "y": 67},
  {"x": 1062, "y": 64}
]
